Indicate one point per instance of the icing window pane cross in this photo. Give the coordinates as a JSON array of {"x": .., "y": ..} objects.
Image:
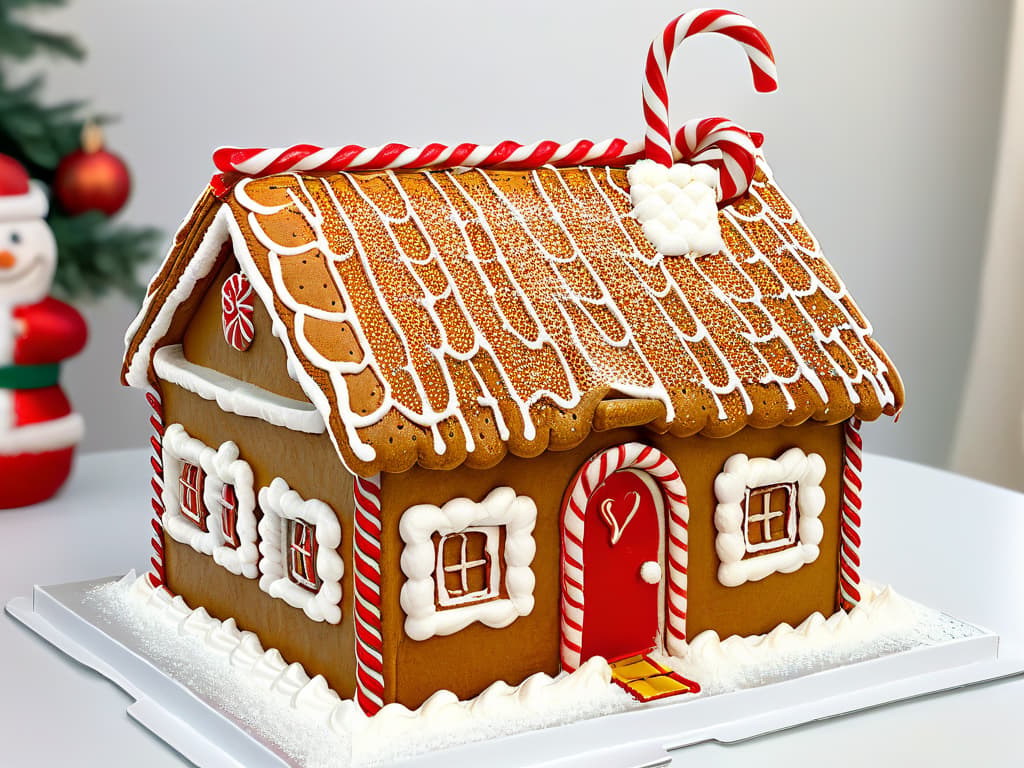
[
  {"x": 237, "y": 311},
  {"x": 770, "y": 520},
  {"x": 302, "y": 555},
  {"x": 190, "y": 485},
  {"x": 465, "y": 571}
]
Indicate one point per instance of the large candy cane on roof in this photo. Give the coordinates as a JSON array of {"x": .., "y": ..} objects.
[{"x": 703, "y": 20}]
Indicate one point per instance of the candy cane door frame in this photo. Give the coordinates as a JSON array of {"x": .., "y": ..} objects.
[{"x": 623, "y": 557}]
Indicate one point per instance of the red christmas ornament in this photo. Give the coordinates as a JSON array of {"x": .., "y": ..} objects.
[{"x": 92, "y": 179}]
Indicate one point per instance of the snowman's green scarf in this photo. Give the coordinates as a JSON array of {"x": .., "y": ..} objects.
[{"x": 29, "y": 376}]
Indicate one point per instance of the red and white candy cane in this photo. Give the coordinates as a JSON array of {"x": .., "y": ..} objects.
[
  {"x": 157, "y": 575},
  {"x": 508, "y": 155},
  {"x": 237, "y": 311},
  {"x": 658, "y": 145},
  {"x": 369, "y": 637},
  {"x": 849, "y": 547},
  {"x": 720, "y": 143},
  {"x": 735, "y": 163}
]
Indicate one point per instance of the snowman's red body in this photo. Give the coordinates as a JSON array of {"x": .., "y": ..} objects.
[{"x": 38, "y": 429}]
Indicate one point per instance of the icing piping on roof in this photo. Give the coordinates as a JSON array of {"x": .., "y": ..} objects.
[
  {"x": 593, "y": 320},
  {"x": 656, "y": 387}
]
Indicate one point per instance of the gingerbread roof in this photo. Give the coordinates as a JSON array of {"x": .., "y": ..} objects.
[{"x": 447, "y": 317}]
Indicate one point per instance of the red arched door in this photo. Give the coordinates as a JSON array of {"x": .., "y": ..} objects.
[{"x": 623, "y": 566}]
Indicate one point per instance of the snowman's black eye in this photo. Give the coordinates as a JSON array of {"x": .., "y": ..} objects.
[{"x": 15, "y": 237}]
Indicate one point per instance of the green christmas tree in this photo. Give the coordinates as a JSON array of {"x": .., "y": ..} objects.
[{"x": 95, "y": 254}]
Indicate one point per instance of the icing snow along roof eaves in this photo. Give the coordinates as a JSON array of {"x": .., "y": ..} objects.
[{"x": 450, "y": 316}]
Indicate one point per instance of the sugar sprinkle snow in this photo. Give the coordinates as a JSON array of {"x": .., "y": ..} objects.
[{"x": 307, "y": 721}]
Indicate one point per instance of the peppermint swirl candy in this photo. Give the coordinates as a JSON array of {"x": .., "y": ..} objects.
[{"x": 237, "y": 311}]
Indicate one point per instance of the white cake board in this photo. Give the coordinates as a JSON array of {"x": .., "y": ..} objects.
[{"x": 208, "y": 736}]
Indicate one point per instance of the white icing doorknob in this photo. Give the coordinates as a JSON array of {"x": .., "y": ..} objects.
[{"x": 650, "y": 572}]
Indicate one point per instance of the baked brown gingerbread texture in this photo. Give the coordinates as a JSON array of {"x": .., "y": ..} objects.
[{"x": 444, "y": 361}]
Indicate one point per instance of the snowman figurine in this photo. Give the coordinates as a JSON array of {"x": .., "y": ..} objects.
[{"x": 38, "y": 429}]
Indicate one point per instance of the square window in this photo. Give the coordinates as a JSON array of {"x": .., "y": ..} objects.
[
  {"x": 209, "y": 500},
  {"x": 299, "y": 541},
  {"x": 190, "y": 493},
  {"x": 770, "y": 518},
  {"x": 302, "y": 555},
  {"x": 467, "y": 561},
  {"x": 466, "y": 571},
  {"x": 768, "y": 515}
]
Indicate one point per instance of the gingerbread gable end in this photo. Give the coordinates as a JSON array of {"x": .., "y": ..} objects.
[
  {"x": 183, "y": 307},
  {"x": 263, "y": 362},
  {"x": 201, "y": 246}
]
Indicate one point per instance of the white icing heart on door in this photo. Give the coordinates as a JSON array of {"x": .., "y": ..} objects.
[{"x": 608, "y": 515}]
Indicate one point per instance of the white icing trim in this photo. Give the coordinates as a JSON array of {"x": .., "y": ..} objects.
[
  {"x": 44, "y": 436},
  {"x": 742, "y": 474},
  {"x": 393, "y": 733},
  {"x": 882, "y": 617},
  {"x": 234, "y": 395},
  {"x": 225, "y": 468},
  {"x": 677, "y": 206},
  {"x": 419, "y": 561},
  {"x": 280, "y": 504},
  {"x": 31, "y": 205},
  {"x": 199, "y": 267},
  {"x": 265, "y": 669}
]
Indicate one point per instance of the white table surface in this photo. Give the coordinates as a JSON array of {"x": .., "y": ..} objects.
[{"x": 946, "y": 541}]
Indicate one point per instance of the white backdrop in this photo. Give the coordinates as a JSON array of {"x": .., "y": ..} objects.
[
  {"x": 883, "y": 131},
  {"x": 990, "y": 437}
]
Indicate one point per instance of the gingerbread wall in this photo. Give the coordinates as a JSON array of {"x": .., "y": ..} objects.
[
  {"x": 310, "y": 466},
  {"x": 415, "y": 669},
  {"x": 308, "y": 463}
]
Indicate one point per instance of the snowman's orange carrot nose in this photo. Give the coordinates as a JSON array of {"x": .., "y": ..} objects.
[{"x": 7, "y": 260}]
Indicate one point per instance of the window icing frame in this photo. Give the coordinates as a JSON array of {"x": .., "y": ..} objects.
[
  {"x": 219, "y": 467},
  {"x": 279, "y": 503},
  {"x": 223, "y": 467},
  {"x": 501, "y": 507},
  {"x": 740, "y": 563}
]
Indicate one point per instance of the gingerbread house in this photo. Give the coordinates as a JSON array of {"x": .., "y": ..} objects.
[{"x": 432, "y": 418}]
